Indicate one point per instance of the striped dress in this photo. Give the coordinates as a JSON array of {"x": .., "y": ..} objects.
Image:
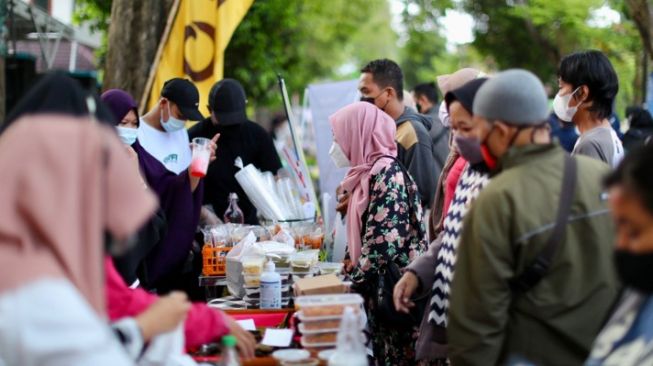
[{"x": 469, "y": 186}]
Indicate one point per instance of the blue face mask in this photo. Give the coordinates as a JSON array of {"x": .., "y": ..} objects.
[
  {"x": 173, "y": 124},
  {"x": 127, "y": 135}
]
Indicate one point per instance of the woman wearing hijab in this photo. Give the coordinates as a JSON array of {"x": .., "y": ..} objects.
[
  {"x": 454, "y": 165},
  {"x": 384, "y": 216},
  {"x": 180, "y": 198},
  {"x": 66, "y": 186},
  {"x": 434, "y": 271},
  {"x": 203, "y": 324}
]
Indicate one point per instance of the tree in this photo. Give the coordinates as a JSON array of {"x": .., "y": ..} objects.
[
  {"x": 536, "y": 34},
  {"x": 296, "y": 38},
  {"x": 301, "y": 40},
  {"x": 134, "y": 35},
  {"x": 96, "y": 14},
  {"x": 641, "y": 12},
  {"x": 423, "y": 46}
]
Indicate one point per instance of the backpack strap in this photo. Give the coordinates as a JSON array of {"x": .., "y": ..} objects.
[{"x": 534, "y": 273}]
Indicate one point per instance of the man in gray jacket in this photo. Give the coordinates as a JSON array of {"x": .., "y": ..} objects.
[{"x": 381, "y": 83}]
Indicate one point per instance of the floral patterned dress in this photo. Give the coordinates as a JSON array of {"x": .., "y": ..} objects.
[{"x": 390, "y": 230}]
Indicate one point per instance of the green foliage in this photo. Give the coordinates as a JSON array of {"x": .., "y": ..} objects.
[
  {"x": 424, "y": 47},
  {"x": 305, "y": 41},
  {"x": 536, "y": 34},
  {"x": 308, "y": 41},
  {"x": 95, "y": 14}
]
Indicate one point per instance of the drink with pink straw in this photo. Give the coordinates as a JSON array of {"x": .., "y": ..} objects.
[{"x": 201, "y": 155}]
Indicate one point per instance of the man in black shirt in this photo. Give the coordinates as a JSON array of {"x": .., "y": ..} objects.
[{"x": 238, "y": 137}]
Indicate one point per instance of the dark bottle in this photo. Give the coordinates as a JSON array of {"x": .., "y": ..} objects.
[{"x": 234, "y": 214}]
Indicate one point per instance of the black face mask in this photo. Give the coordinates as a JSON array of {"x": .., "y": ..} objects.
[
  {"x": 372, "y": 100},
  {"x": 635, "y": 269}
]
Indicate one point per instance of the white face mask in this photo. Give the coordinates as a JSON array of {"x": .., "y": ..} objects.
[
  {"x": 561, "y": 106},
  {"x": 127, "y": 135},
  {"x": 173, "y": 124},
  {"x": 338, "y": 156}
]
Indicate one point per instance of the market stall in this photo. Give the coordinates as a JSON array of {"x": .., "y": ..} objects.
[{"x": 312, "y": 292}]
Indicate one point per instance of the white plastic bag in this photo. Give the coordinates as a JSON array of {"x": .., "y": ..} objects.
[
  {"x": 167, "y": 350},
  {"x": 283, "y": 236},
  {"x": 235, "y": 279},
  {"x": 339, "y": 239}
]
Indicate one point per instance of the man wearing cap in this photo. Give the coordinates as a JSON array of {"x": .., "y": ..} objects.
[
  {"x": 503, "y": 308},
  {"x": 162, "y": 131},
  {"x": 239, "y": 137}
]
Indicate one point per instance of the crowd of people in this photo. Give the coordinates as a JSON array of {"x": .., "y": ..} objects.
[
  {"x": 476, "y": 233},
  {"x": 520, "y": 265}
]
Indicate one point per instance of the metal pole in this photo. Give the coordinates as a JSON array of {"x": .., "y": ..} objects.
[
  {"x": 12, "y": 20},
  {"x": 72, "y": 64},
  {"x": 645, "y": 77}
]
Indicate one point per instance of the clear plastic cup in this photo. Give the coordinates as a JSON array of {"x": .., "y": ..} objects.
[{"x": 199, "y": 163}]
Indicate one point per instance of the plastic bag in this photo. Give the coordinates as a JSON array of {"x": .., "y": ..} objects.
[
  {"x": 283, "y": 236},
  {"x": 339, "y": 239},
  {"x": 235, "y": 279},
  {"x": 350, "y": 349}
]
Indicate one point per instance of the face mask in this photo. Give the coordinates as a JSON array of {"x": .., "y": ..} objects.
[
  {"x": 492, "y": 161},
  {"x": 561, "y": 106},
  {"x": 173, "y": 123},
  {"x": 444, "y": 115},
  {"x": 338, "y": 156},
  {"x": 489, "y": 159},
  {"x": 635, "y": 269},
  {"x": 127, "y": 135},
  {"x": 372, "y": 100},
  {"x": 469, "y": 148}
]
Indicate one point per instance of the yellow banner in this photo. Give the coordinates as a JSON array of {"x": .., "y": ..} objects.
[{"x": 196, "y": 44}]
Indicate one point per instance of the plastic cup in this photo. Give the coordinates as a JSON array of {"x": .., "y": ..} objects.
[{"x": 199, "y": 163}]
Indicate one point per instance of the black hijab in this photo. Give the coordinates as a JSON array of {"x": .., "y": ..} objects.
[{"x": 57, "y": 93}]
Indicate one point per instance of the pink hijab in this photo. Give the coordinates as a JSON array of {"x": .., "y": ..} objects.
[
  {"x": 58, "y": 198},
  {"x": 365, "y": 133}
]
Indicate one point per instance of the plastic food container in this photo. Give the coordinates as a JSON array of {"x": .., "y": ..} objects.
[
  {"x": 252, "y": 280},
  {"x": 253, "y": 265},
  {"x": 306, "y": 362},
  {"x": 322, "y": 337},
  {"x": 328, "y": 305},
  {"x": 310, "y": 325},
  {"x": 330, "y": 267},
  {"x": 281, "y": 260},
  {"x": 291, "y": 355},
  {"x": 303, "y": 261},
  {"x": 326, "y": 354},
  {"x": 320, "y": 326},
  {"x": 307, "y": 344}
]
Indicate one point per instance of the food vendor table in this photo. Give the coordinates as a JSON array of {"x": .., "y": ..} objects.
[
  {"x": 263, "y": 318},
  {"x": 214, "y": 286}
]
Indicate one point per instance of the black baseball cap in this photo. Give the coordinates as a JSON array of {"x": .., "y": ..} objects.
[
  {"x": 465, "y": 94},
  {"x": 227, "y": 101},
  {"x": 185, "y": 95}
]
